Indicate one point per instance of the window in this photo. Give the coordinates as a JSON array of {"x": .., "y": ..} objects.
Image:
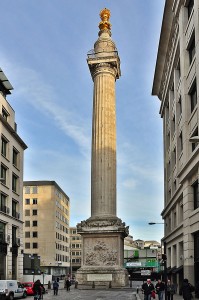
[
  {"x": 2, "y": 232},
  {"x": 15, "y": 157},
  {"x": 34, "y": 212},
  {"x": 27, "y": 223},
  {"x": 14, "y": 235},
  {"x": 34, "y": 190},
  {"x": 5, "y": 114},
  {"x": 27, "y": 190},
  {"x": 15, "y": 214},
  {"x": 192, "y": 49},
  {"x": 3, "y": 203},
  {"x": 195, "y": 194},
  {"x": 4, "y": 145},
  {"x": 194, "y": 145},
  {"x": 34, "y": 234},
  {"x": 3, "y": 173},
  {"x": 193, "y": 97},
  {"x": 35, "y": 245},
  {"x": 27, "y": 245},
  {"x": 34, "y": 223},
  {"x": 27, "y": 212},
  {"x": 34, "y": 201},
  {"x": 27, "y": 234},
  {"x": 180, "y": 143},
  {"x": 14, "y": 182},
  {"x": 27, "y": 201},
  {"x": 190, "y": 7},
  {"x": 174, "y": 156}
]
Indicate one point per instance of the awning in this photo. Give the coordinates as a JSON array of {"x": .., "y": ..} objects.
[{"x": 177, "y": 270}]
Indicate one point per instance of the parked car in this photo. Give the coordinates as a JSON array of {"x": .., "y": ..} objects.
[
  {"x": 12, "y": 289},
  {"x": 29, "y": 288}
]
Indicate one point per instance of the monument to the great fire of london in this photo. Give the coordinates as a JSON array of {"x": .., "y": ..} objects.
[{"x": 103, "y": 233}]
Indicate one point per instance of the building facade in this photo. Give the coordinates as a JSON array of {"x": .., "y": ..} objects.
[
  {"x": 75, "y": 249},
  {"x": 11, "y": 189},
  {"x": 46, "y": 211},
  {"x": 176, "y": 82}
]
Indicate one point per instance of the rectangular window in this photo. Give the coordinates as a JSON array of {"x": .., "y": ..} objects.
[
  {"x": 5, "y": 114},
  {"x": 192, "y": 49},
  {"x": 27, "y": 234},
  {"x": 35, "y": 245},
  {"x": 34, "y": 201},
  {"x": 27, "y": 201},
  {"x": 27, "y": 212},
  {"x": 180, "y": 143},
  {"x": 3, "y": 173},
  {"x": 27, "y": 245},
  {"x": 34, "y": 234},
  {"x": 190, "y": 7},
  {"x": 27, "y": 189},
  {"x": 2, "y": 231},
  {"x": 14, "y": 209},
  {"x": 195, "y": 194},
  {"x": 4, "y": 146},
  {"x": 34, "y": 190},
  {"x": 27, "y": 223},
  {"x": 3, "y": 203},
  {"x": 14, "y": 235},
  {"x": 194, "y": 145},
  {"x": 15, "y": 155},
  {"x": 193, "y": 97},
  {"x": 34, "y": 223},
  {"x": 34, "y": 212},
  {"x": 14, "y": 183}
]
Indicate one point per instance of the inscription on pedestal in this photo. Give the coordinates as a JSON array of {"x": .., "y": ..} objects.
[{"x": 99, "y": 277}]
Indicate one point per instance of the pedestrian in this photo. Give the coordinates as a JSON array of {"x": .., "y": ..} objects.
[
  {"x": 186, "y": 290},
  {"x": 55, "y": 287},
  {"x": 170, "y": 290},
  {"x": 37, "y": 289},
  {"x": 68, "y": 284},
  {"x": 147, "y": 289},
  {"x": 160, "y": 288}
]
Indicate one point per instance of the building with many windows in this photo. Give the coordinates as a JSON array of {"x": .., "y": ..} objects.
[
  {"x": 46, "y": 211},
  {"x": 176, "y": 82},
  {"x": 75, "y": 250},
  {"x": 11, "y": 189}
]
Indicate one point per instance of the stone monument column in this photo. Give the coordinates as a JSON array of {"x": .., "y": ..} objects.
[{"x": 103, "y": 233}]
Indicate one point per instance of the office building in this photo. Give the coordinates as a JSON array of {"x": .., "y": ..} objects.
[
  {"x": 176, "y": 82},
  {"x": 11, "y": 188},
  {"x": 46, "y": 210}
]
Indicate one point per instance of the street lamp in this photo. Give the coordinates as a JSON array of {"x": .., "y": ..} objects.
[{"x": 164, "y": 259}]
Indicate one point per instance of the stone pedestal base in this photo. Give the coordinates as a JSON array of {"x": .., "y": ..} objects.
[{"x": 102, "y": 253}]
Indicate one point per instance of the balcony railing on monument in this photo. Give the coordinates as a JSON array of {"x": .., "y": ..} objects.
[{"x": 93, "y": 54}]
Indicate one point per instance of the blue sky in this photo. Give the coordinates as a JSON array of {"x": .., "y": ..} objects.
[{"x": 43, "y": 53}]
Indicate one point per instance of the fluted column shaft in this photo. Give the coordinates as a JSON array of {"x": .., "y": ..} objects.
[{"x": 103, "y": 165}]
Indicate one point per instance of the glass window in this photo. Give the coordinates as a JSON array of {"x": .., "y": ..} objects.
[
  {"x": 195, "y": 194},
  {"x": 194, "y": 145},
  {"x": 193, "y": 97},
  {"x": 5, "y": 114},
  {"x": 27, "y": 245},
  {"x": 14, "y": 182},
  {"x": 27, "y": 223},
  {"x": 14, "y": 209},
  {"x": 15, "y": 154},
  {"x": 3, "y": 203},
  {"x": 4, "y": 145},
  {"x": 34, "y": 190},
  {"x": 27, "y": 234},
  {"x": 34, "y": 212},
  {"x": 27, "y": 212},
  {"x": 192, "y": 50},
  {"x": 34, "y": 223},
  {"x": 3, "y": 173},
  {"x": 27, "y": 201},
  {"x": 190, "y": 7},
  {"x": 35, "y": 234},
  {"x": 35, "y": 245},
  {"x": 34, "y": 201},
  {"x": 27, "y": 190},
  {"x": 2, "y": 231}
]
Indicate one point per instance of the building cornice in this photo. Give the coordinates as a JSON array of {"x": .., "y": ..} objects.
[{"x": 13, "y": 133}]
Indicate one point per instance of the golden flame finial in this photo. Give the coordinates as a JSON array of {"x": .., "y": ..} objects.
[{"x": 105, "y": 16}]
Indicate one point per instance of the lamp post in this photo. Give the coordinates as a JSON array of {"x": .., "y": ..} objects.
[{"x": 164, "y": 259}]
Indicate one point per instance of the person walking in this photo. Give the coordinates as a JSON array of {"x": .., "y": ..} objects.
[
  {"x": 186, "y": 290},
  {"x": 147, "y": 289},
  {"x": 160, "y": 288},
  {"x": 55, "y": 287},
  {"x": 68, "y": 284},
  {"x": 37, "y": 289},
  {"x": 170, "y": 290}
]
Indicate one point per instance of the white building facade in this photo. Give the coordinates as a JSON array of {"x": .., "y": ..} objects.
[
  {"x": 176, "y": 82},
  {"x": 11, "y": 189}
]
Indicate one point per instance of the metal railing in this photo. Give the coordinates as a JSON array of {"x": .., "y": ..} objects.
[{"x": 93, "y": 54}]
